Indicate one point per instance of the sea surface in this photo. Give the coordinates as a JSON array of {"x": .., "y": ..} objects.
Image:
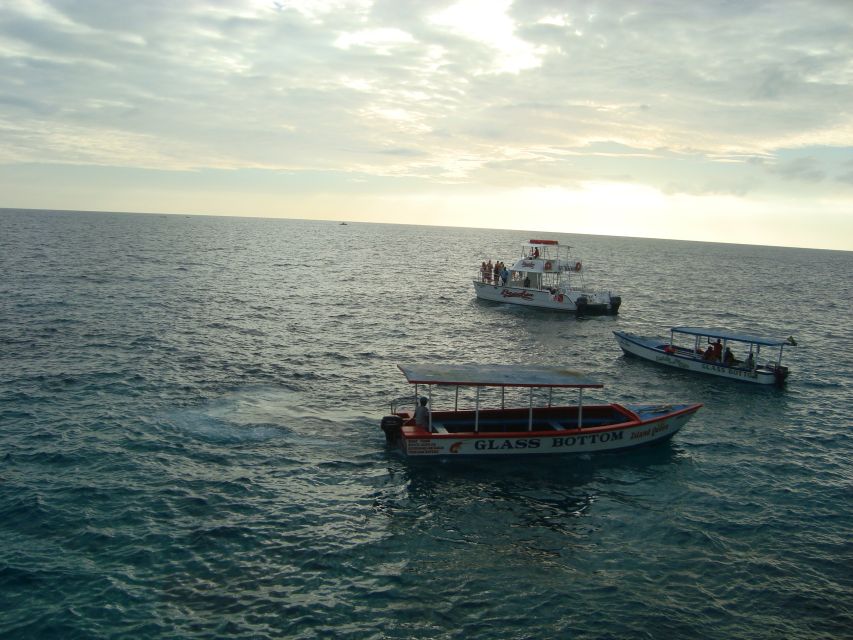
[{"x": 189, "y": 440}]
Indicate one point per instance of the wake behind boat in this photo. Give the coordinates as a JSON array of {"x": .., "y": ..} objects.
[
  {"x": 539, "y": 427},
  {"x": 684, "y": 350},
  {"x": 547, "y": 277}
]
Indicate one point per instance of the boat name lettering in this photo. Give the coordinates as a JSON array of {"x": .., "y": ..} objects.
[
  {"x": 664, "y": 426},
  {"x": 517, "y": 294},
  {"x": 529, "y": 264},
  {"x": 520, "y": 443},
  {"x": 422, "y": 447},
  {"x": 591, "y": 438},
  {"x": 672, "y": 360},
  {"x": 739, "y": 373}
]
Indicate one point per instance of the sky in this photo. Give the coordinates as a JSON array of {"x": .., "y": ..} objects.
[{"x": 715, "y": 120}]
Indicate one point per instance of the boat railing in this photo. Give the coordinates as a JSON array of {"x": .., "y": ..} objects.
[
  {"x": 479, "y": 276},
  {"x": 403, "y": 401}
]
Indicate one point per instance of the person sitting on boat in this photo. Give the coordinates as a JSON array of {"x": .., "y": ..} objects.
[
  {"x": 750, "y": 362},
  {"x": 718, "y": 350},
  {"x": 729, "y": 358},
  {"x": 422, "y": 414},
  {"x": 526, "y": 282},
  {"x": 709, "y": 354}
]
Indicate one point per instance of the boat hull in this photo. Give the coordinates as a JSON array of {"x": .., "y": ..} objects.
[
  {"x": 650, "y": 424},
  {"x": 583, "y": 303},
  {"x": 652, "y": 349}
]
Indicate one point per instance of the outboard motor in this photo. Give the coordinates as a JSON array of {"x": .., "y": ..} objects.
[
  {"x": 581, "y": 303},
  {"x": 393, "y": 428},
  {"x": 781, "y": 374},
  {"x": 615, "y": 302}
]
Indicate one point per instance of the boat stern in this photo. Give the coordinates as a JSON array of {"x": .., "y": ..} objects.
[{"x": 392, "y": 426}]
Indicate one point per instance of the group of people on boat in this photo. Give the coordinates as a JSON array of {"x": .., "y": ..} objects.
[
  {"x": 497, "y": 273},
  {"x": 715, "y": 353}
]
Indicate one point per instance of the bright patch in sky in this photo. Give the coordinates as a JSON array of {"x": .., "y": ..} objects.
[
  {"x": 382, "y": 41},
  {"x": 487, "y": 22}
]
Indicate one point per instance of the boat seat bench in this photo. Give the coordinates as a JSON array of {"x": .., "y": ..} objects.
[{"x": 539, "y": 424}]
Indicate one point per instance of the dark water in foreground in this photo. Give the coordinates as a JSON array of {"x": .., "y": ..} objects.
[{"x": 189, "y": 441}]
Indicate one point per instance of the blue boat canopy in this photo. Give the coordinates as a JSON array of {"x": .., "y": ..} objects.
[
  {"x": 723, "y": 334},
  {"x": 495, "y": 375}
]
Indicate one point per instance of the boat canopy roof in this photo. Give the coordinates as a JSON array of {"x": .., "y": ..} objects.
[
  {"x": 495, "y": 375},
  {"x": 541, "y": 242},
  {"x": 723, "y": 334}
]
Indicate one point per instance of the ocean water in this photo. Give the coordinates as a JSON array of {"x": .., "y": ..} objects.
[{"x": 189, "y": 440}]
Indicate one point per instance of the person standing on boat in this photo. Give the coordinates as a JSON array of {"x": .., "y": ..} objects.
[
  {"x": 504, "y": 274},
  {"x": 718, "y": 350},
  {"x": 422, "y": 414},
  {"x": 488, "y": 273},
  {"x": 497, "y": 272},
  {"x": 483, "y": 271}
]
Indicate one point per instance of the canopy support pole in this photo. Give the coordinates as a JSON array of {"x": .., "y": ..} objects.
[
  {"x": 580, "y": 406},
  {"x": 429, "y": 388},
  {"x": 550, "y": 396},
  {"x": 477, "y": 412},
  {"x": 503, "y": 397},
  {"x": 456, "y": 406},
  {"x": 530, "y": 414}
]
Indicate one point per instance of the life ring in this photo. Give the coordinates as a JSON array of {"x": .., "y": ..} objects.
[
  {"x": 578, "y": 266},
  {"x": 548, "y": 265}
]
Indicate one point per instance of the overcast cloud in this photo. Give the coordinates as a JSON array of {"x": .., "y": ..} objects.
[{"x": 692, "y": 97}]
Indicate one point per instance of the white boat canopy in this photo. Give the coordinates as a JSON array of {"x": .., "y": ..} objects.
[
  {"x": 723, "y": 334},
  {"x": 496, "y": 375}
]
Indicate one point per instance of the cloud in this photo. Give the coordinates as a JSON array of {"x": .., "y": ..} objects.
[
  {"x": 805, "y": 169},
  {"x": 847, "y": 176},
  {"x": 468, "y": 90}
]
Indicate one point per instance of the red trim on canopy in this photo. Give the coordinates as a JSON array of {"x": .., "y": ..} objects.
[{"x": 543, "y": 242}]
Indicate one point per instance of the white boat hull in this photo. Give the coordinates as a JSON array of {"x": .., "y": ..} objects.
[
  {"x": 591, "y": 303},
  {"x": 657, "y": 423},
  {"x": 651, "y": 349}
]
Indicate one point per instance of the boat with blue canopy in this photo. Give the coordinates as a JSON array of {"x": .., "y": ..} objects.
[
  {"x": 719, "y": 352},
  {"x": 512, "y": 410}
]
